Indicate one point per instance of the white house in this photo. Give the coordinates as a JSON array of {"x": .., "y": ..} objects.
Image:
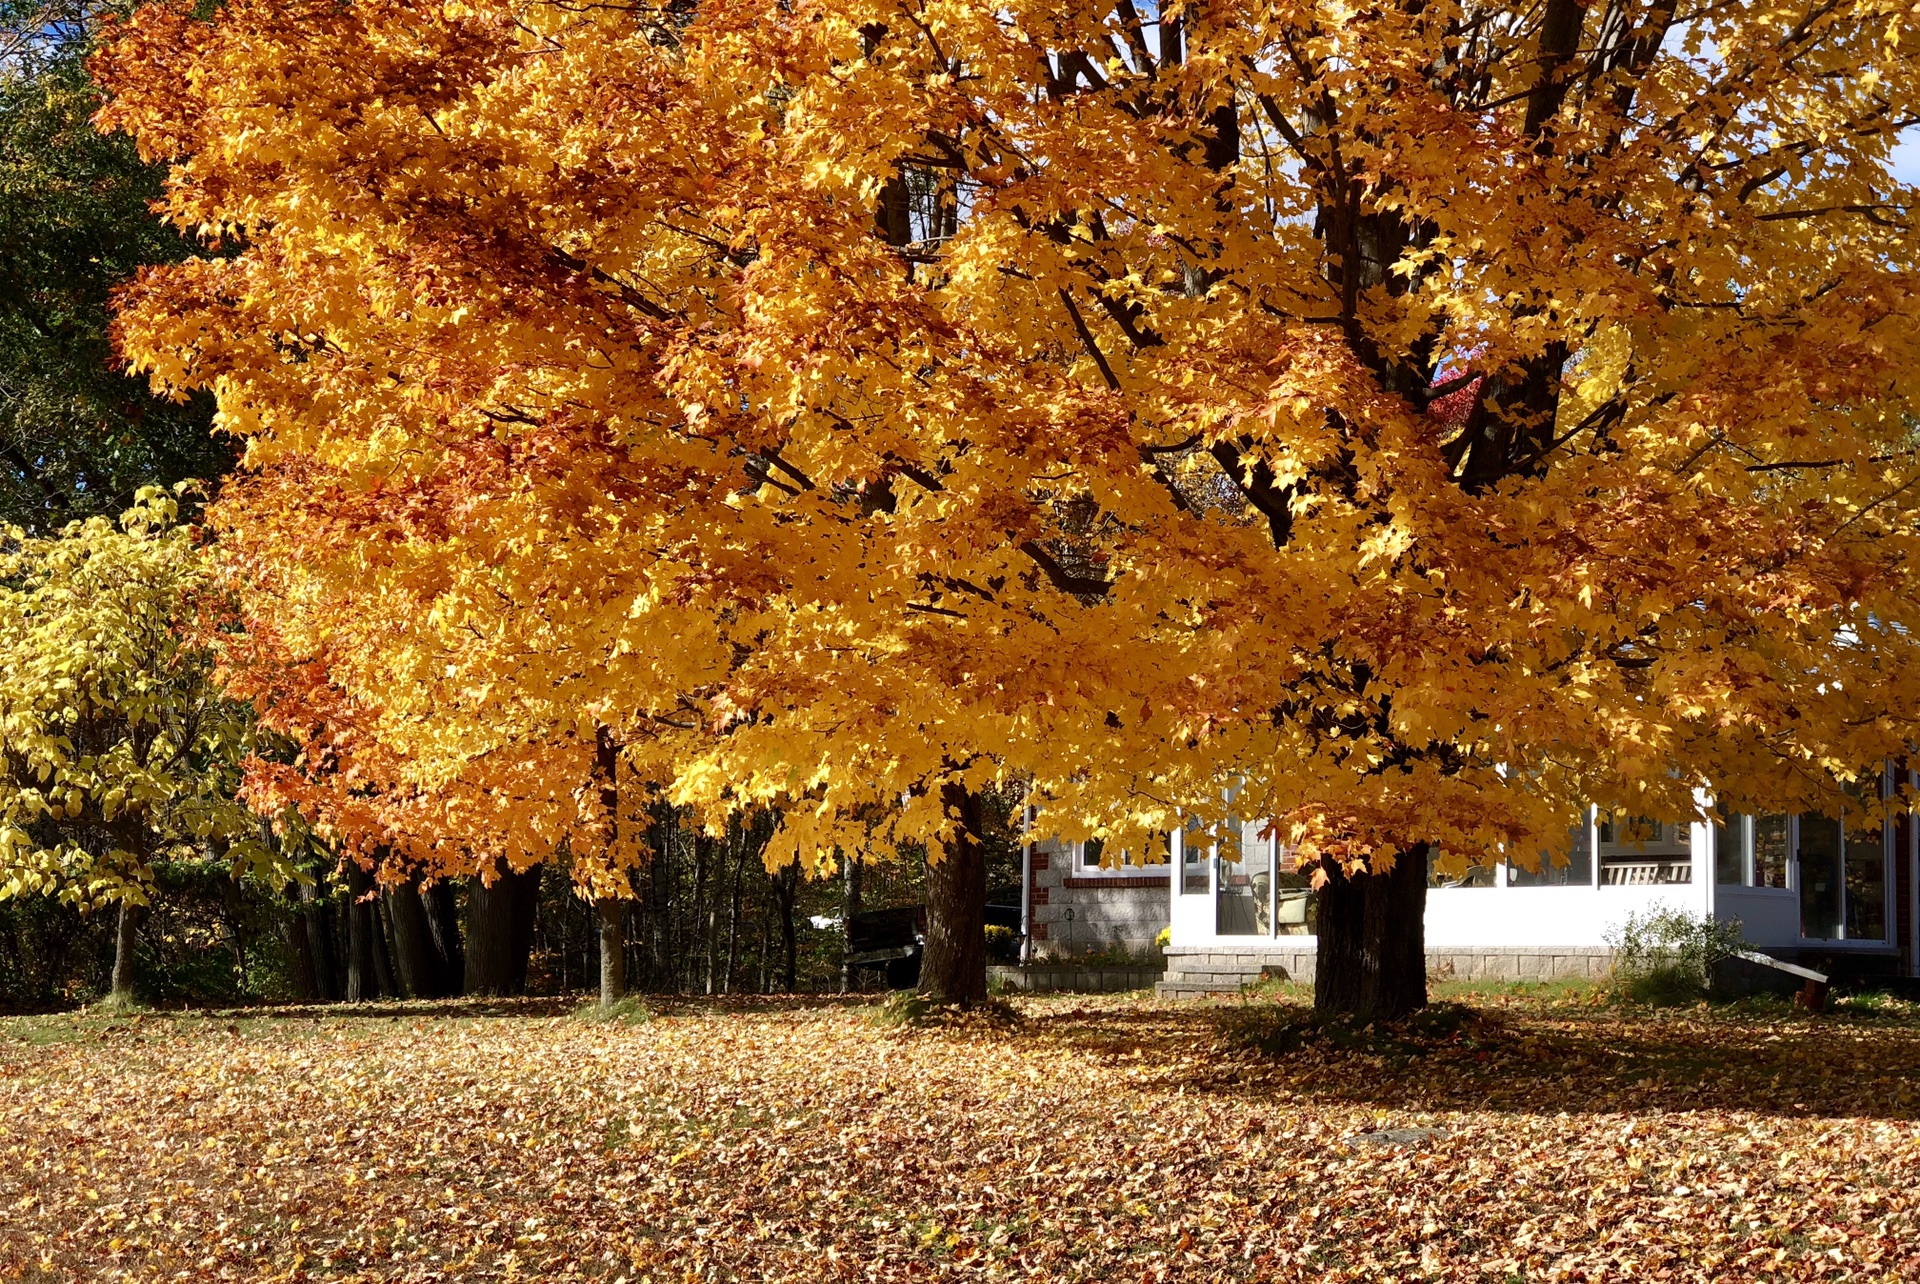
[{"x": 1838, "y": 893}]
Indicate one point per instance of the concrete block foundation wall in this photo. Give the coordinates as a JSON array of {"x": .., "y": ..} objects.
[{"x": 1197, "y": 970}]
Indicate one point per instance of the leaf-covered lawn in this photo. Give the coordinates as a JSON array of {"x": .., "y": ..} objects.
[{"x": 1112, "y": 1140}]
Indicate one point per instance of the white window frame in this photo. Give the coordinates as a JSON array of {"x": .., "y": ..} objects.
[{"x": 1077, "y": 868}]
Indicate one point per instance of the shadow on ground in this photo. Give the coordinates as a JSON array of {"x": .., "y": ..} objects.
[{"x": 1580, "y": 1060}]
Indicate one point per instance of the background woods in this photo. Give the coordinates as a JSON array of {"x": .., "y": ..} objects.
[{"x": 706, "y": 917}]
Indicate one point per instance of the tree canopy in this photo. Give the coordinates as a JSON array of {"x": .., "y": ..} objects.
[{"x": 1429, "y": 418}]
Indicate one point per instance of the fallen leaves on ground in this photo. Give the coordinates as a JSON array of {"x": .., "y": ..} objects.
[{"x": 1096, "y": 1139}]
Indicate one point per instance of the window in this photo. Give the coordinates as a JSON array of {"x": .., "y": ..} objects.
[
  {"x": 1636, "y": 851},
  {"x": 1729, "y": 849},
  {"x": 1865, "y": 880},
  {"x": 1571, "y": 866},
  {"x": 1750, "y": 851},
  {"x": 1770, "y": 848},
  {"x": 1820, "y": 849},
  {"x": 1194, "y": 847},
  {"x": 1088, "y": 855},
  {"x": 1245, "y": 903},
  {"x": 1843, "y": 868},
  {"x": 1444, "y": 870}
]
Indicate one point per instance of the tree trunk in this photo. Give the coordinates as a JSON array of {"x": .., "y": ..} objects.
[
  {"x": 1372, "y": 959},
  {"x": 415, "y": 967},
  {"x": 613, "y": 950},
  {"x": 319, "y": 936},
  {"x": 383, "y": 973},
  {"x": 660, "y": 899},
  {"x": 737, "y": 834},
  {"x": 500, "y": 921},
  {"x": 849, "y": 906},
  {"x": 362, "y": 981},
  {"x": 126, "y": 937},
  {"x": 788, "y": 887},
  {"x": 443, "y": 925},
  {"x": 954, "y": 969},
  {"x": 300, "y": 952}
]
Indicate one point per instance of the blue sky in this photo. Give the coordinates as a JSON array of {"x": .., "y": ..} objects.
[{"x": 1906, "y": 157}]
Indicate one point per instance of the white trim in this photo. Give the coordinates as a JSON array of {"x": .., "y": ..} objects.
[{"x": 1076, "y": 868}]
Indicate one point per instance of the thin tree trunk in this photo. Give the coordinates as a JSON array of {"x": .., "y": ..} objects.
[
  {"x": 660, "y": 908},
  {"x": 954, "y": 969},
  {"x": 500, "y": 923},
  {"x": 789, "y": 887},
  {"x": 443, "y": 924},
  {"x": 849, "y": 906},
  {"x": 737, "y": 836},
  {"x": 126, "y": 938},
  {"x": 766, "y": 940},
  {"x": 1371, "y": 962},
  {"x": 414, "y": 965}
]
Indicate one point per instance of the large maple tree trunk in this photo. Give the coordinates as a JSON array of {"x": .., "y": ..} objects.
[
  {"x": 126, "y": 938},
  {"x": 613, "y": 950},
  {"x": 416, "y": 968},
  {"x": 954, "y": 969},
  {"x": 500, "y": 921},
  {"x": 1372, "y": 957},
  {"x": 443, "y": 926}
]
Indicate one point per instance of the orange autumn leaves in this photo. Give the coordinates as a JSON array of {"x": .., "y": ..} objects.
[{"x": 1428, "y": 419}]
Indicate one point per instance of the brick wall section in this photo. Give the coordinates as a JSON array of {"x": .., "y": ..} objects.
[{"x": 1074, "y": 916}]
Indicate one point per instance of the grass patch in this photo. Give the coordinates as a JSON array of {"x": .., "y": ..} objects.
[
  {"x": 1277, "y": 1029},
  {"x": 911, "y": 1010},
  {"x": 628, "y": 1011}
]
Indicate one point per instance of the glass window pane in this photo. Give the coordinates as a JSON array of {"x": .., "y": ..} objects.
[
  {"x": 1294, "y": 902},
  {"x": 1571, "y": 866},
  {"x": 1770, "y": 851},
  {"x": 1193, "y": 862},
  {"x": 1819, "y": 877},
  {"x": 1866, "y": 863},
  {"x": 1244, "y": 907},
  {"x": 1444, "y": 870},
  {"x": 1636, "y": 851},
  {"x": 1729, "y": 849},
  {"x": 1090, "y": 853}
]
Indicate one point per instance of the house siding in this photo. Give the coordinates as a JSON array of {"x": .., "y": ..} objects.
[{"x": 1073, "y": 916}]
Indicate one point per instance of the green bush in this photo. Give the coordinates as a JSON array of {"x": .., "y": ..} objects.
[{"x": 1667, "y": 958}]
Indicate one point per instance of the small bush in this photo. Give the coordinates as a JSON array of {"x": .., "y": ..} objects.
[
  {"x": 1165, "y": 938},
  {"x": 1667, "y": 958},
  {"x": 1001, "y": 944}
]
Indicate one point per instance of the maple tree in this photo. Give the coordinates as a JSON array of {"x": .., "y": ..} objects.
[
  {"x": 117, "y": 749},
  {"x": 1422, "y": 420}
]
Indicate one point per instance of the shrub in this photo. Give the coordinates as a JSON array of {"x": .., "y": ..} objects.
[
  {"x": 1000, "y": 944},
  {"x": 1165, "y": 938},
  {"x": 1666, "y": 958}
]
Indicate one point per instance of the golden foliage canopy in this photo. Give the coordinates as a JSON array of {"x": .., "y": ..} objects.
[{"x": 1430, "y": 416}]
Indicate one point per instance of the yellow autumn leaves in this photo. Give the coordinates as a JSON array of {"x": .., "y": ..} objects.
[
  {"x": 1424, "y": 420},
  {"x": 115, "y": 745}
]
